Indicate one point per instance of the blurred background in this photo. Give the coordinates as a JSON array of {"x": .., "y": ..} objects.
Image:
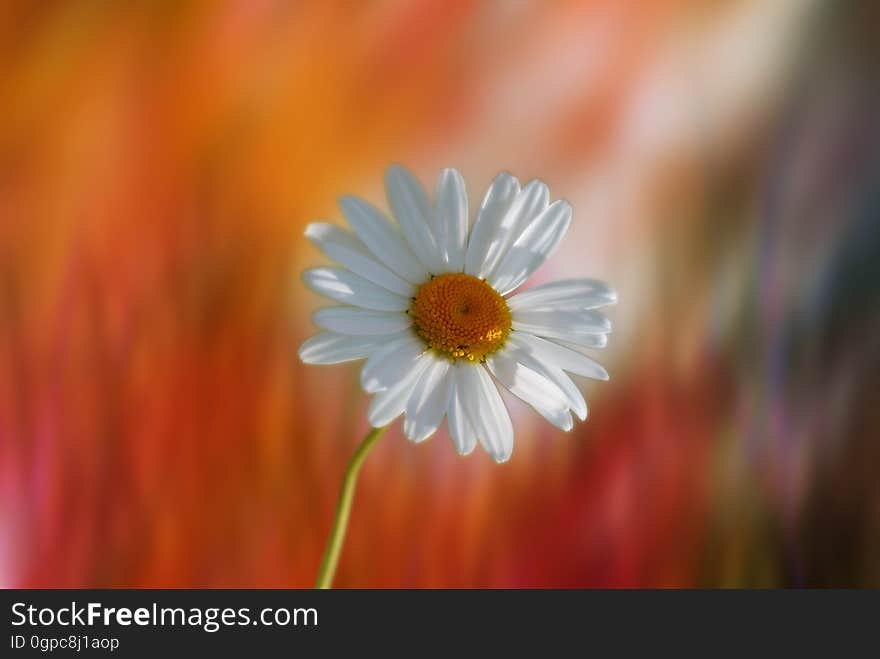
[{"x": 159, "y": 161}]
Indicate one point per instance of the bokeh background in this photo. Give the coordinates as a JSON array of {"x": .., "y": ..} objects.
[{"x": 159, "y": 161}]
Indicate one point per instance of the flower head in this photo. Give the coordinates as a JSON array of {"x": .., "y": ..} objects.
[{"x": 428, "y": 301}]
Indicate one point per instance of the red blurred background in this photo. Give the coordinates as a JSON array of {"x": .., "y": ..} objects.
[{"x": 159, "y": 161}]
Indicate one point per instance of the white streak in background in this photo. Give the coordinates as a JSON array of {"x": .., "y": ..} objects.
[
  {"x": 707, "y": 87},
  {"x": 709, "y": 83},
  {"x": 746, "y": 60}
]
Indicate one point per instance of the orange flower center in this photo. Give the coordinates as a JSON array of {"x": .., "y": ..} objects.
[{"x": 461, "y": 316}]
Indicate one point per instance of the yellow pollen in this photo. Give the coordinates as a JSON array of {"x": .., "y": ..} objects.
[{"x": 461, "y": 316}]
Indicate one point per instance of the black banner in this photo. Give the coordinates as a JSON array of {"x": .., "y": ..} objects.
[{"x": 149, "y": 623}]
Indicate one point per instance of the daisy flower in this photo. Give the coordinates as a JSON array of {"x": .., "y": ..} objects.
[{"x": 428, "y": 299}]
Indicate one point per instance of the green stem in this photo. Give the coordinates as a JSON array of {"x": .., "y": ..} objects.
[{"x": 343, "y": 509}]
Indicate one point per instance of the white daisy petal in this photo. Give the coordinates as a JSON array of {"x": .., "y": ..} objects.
[
  {"x": 558, "y": 355},
  {"x": 496, "y": 203},
  {"x": 344, "y": 286},
  {"x": 537, "y": 241},
  {"x": 529, "y": 203},
  {"x": 565, "y": 294},
  {"x": 430, "y": 398},
  {"x": 348, "y": 251},
  {"x": 485, "y": 410},
  {"x": 460, "y": 429},
  {"x": 560, "y": 324},
  {"x": 536, "y": 390},
  {"x": 412, "y": 210},
  {"x": 360, "y": 322},
  {"x": 581, "y": 342},
  {"x": 451, "y": 219},
  {"x": 557, "y": 376},
  {"x": 562, "y": 335},
  {"x": 382, "y": 238},
  {"x": 552, "y": 372},
  {"x": 390, "y": 362},
  {"x": 333, "y": 348},
  {"x": 390, "y": 403}
]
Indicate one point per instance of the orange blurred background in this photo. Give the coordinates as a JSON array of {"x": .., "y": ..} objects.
[{"x": 159, "y": 161}]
